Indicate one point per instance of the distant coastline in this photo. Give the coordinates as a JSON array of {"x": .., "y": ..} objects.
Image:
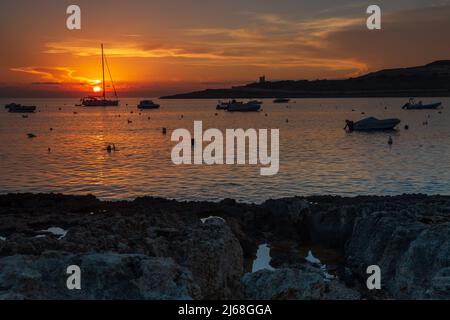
[{"x": 431, "y": 80}]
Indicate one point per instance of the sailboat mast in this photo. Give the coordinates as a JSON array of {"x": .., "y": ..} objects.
[{"x": 103, "y": 74}]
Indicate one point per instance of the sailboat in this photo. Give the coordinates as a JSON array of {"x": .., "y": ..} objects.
[{"x": 95, "y": 101}]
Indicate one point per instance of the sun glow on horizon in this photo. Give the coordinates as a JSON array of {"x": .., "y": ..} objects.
[{"x": 96, "y": 89}]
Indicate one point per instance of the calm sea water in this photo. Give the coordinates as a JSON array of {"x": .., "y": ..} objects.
[{"x": 316, "y": 155}]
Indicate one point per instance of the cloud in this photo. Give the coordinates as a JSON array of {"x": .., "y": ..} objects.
[{"x": 55, "y": 75}]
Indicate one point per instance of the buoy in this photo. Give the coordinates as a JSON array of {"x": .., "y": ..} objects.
[
  {"x": 131, "y": 111},
  {"x": 406, "y": 127},
  {"x": 75, "y": 112},
  {"x": 363, "y": 113},
  {"x": 51, "y": 129},
  {"x": 31, "y": 135},
  {"x": 59, "y": 109},
  {"x": 287, "y": 120},
  {"x": 148, "y": 118},
  {"x": 49, "y": 150},
  {"x": 266, "y": 114},
  {"x": 182, "y": 116},
  {"x": 216, "y": 114},
  {"x": 164, "y": 130},
  {"x": 129, "y": 121},
  {"x": 390, "y": 141},
  {"x": 109, "y": 148}
]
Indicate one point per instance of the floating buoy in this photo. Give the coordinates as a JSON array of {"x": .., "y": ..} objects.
[
  {"x": 363, "y": 112},
  {"x": 164, "y": 130},
  {"x": 406, "y": 127},
  {"x": 390, "y": 141},
  {"x": 49, "y": 150},
  {"x": 129, "y": 121},
  {"x": 75, "y": 112},
  {"x": 59, "y": 109},
  {"x": 148, "y": 118},
  {"x": 287, "y": 120},
  {"x": 182, "y": 116},
  {"x": 216, "y": 114},
  {"x": 131, "y": 111},
  {"x": 31, "y": 135},
  {"x": 51, "y": 129},
  {"x": 266, "y": 114}
]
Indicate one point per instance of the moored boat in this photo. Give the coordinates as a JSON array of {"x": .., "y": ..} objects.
[
  {"x": 243, "y": 107},
  {"x": 281, "y": 100},
  {"x": 18, "y": 108},
  {"x": 147, "y": 104},
  {"x": 101, "y": 101},
  {"x": 372, "y": 124},
  {"x": 413, "y": 105}
]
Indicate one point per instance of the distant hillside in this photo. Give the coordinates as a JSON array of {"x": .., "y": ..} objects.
[{"x": 431, "y": 80}]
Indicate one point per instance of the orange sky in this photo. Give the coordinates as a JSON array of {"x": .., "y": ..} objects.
[{"x": 159, "y": 47}]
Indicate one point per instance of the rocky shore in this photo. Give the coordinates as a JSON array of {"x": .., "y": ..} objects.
[{"x": 153, "y": 248}]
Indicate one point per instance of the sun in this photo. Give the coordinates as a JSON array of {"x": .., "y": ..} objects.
[{"x": 96, "y": 89}]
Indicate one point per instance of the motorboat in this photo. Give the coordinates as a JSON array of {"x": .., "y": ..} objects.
[
  {"x": 372, "y": 124},
  {"x": 243, "y": 107},
  {"x": 413, "y": 105},
  {"x": 281, "y": 100},
  {"x": 148, "y": 104},
  {"x": 101, "y": 101},
  {"x": 18, "y": 108}
]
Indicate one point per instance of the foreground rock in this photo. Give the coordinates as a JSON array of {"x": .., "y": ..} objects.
[
  {"x": 300, "y": 283},
  {"x": 407, "y": 236},
  {"x": 104, "y": 276}
]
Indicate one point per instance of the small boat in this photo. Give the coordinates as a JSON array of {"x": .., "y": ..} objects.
[
  {"x": 243, "y": 107},
  {"x": 147, "y": 104},
  {"x": 371, "y": 124},
  {"x": 101, "y": 101},
  {"x": 18, "y": 108},
  {"x": 413, "y": 105},
  {"x": 281, "y": 100}
]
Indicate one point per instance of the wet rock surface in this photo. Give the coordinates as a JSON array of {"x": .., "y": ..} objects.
[{"x": 153, "y": 248}]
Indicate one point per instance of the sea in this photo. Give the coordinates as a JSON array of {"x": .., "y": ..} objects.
[{"x": 317, "y": 156}]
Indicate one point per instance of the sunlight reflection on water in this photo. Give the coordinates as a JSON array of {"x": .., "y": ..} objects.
[{"x": 316, "y": 155}]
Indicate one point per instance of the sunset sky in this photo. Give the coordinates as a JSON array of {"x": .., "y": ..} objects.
[{"x": 160, "y": 47}]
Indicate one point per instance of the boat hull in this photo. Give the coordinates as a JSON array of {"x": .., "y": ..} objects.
[
  {"x": 17, "y": 108},
  {"x": 101, "y": 103},
  {"x": 373, "y": 124},
  {"x": 243, "y": 107},
  {"x": 422, "y": 107}
]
